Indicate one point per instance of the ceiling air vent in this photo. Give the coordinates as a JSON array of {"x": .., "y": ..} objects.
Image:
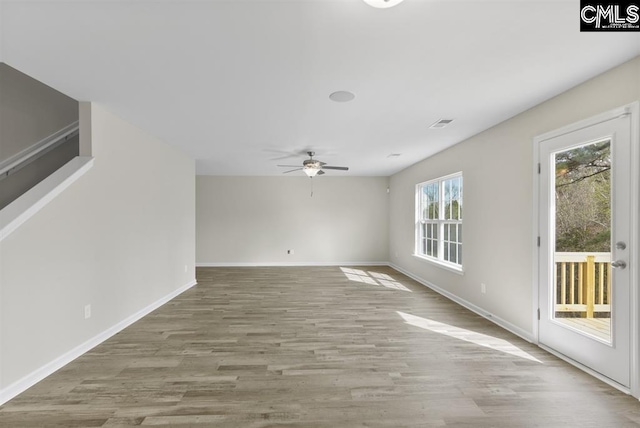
[{"x": 441, "y": 123}]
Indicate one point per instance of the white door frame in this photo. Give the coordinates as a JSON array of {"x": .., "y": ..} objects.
[{"x": 634, "y": 239}]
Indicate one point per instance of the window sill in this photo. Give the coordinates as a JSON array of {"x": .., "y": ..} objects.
[{"x": 444, "y": 265}]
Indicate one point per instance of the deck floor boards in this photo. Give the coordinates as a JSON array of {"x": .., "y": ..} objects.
[
  {"x": 598, "y": 327},
  {"x": 317, "y": 347}
]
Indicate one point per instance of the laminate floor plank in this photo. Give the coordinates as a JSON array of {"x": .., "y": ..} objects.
[{"x": 317, "y": 347}]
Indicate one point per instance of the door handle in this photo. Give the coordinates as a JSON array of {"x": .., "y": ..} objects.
[{"x": 619, "y": 264}]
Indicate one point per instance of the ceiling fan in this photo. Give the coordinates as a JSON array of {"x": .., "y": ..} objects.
[{"x": 313, "y": 167}]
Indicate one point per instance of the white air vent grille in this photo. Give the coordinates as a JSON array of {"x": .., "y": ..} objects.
[{"x": 441, "y": 123}]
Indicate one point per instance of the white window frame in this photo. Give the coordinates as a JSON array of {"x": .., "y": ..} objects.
[{"x": 440, "y": 222}]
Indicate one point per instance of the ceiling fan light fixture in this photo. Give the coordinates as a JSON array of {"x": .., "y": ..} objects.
[
  {"x": 310, "y": 171},
  {"x": 382, "y": 4},
  {"x": 313, "y": 167}
]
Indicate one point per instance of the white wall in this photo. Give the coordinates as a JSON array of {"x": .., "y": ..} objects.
[
  {"x": 255, "y": 220},
  {"x": 118, "y": 239},
  {"x": 498, "y": 199},
  {"x": 1, "y": 36}
]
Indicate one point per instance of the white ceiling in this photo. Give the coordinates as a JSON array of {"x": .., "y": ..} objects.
[{"x": 240, "y": 85}]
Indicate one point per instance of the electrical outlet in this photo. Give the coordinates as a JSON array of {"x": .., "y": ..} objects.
[
  {"x": 289, "y": 251},
  {"x": 186, "y": 268},
  {"x": 483, "y": 288},
  {"x": 87, "y": 311}
]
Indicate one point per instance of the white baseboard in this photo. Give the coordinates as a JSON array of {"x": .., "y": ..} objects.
[
  {"x": 36, "y": 376},
  {"x": 285, "y": 264},
  {"x": 528, "y": 336}
]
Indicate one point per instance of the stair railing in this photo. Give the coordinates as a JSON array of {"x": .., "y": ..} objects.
[{"x": 37, "y": 150}]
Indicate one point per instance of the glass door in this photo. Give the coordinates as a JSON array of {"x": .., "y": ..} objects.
[
  {"x": 584, "y": 216},
  {"x": 582, "y": 254}
]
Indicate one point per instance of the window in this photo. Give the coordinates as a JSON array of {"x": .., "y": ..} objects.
[{"x": 439, "y": 220}]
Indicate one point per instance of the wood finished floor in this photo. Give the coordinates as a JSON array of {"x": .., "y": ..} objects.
[{"x": 317, "y": 347}]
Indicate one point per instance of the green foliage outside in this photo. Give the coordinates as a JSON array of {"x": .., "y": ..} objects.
[{"x": 583, "y": 199}]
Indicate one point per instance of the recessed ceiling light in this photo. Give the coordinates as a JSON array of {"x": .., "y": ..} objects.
[
  {"x": 382, "y": 4},
  {"x": 394, "y": 155},
  {"x": 342, "y": 96},
  {"x": 441, "y": 123}
]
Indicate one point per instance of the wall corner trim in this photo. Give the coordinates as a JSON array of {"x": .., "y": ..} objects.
[
  {"x": 528, "y": 336},
  {"x": 36, "y": 376},
  {"x": 26, "y": 206}
]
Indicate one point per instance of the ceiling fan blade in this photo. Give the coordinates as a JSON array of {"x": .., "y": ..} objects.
[
  {"x": 289, "y": 166},
  {"x": 297, "y": 169},
  {"x": 322, "y": 163},
  {"x": 283, "y": 157},
  {"x": 341, "y": 168},
  {"x": 320, "y": 172},
  {"x": 279, "y": 154}
]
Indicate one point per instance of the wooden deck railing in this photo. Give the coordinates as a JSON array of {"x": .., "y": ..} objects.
[{"x": 583, "y": 283}]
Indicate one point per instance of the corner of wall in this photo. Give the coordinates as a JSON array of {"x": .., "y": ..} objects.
[
  {"x": 1, "y": 34},
  {"x": 491, "y": 236},
  {"x": 84, "y": 112},
  {"x": 120, "y": 239}
]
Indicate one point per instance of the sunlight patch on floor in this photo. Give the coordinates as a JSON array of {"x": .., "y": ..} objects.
[
  {"x": 467, "y": 335},
  {"x": 373, "y": 278}
]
